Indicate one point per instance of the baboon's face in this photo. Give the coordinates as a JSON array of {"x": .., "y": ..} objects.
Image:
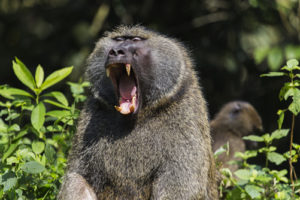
[
  {"x": 126, "y": 56},
  {"x": 133, "y": 68}
]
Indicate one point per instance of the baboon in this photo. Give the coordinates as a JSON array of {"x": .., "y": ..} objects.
[
  {"x": 144, "y": 132},
  {"x": 235, "y": 120}
]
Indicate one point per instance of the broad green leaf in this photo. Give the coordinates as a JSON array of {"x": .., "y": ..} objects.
[
  {"x": 272, "y": 74},
  {"x": 12, "y": 160},
  {"x": 3, "y": 126},
  {"x": 39, "y": 76},
  {"x": 9, "y": 181},
  {"x": 50, "y": 153},
  {"x": 56, "y": 76},
  {"x": 283, "y": 90},
  {"x": 280, "y": 133},
  {"x": 291, "y": 63},
  {"x": 58, "y": 113},
  {"x": 59, "y": 96},
  {"x": 11, "y": 149},
  {"x": 38, "y": 116},
  {"x": 10, "y": 92},
  {"x": 219, "y": 151},
  {"x": 23, "y": 74},
  {"x": 21, "y": 134},
  {"x": 291, "y": 92},
  {"x": 14, "y": 127},
  {"x": 243, "y": 174},
  {"x": 253, "y": 191},
  {"x": 294, "y": 107},
  {"x": 56, "y": 104},
  {"x": 38, "y": 147},
  {"x": 275, "y": 58},
  {"x": 26, "y": 153},
  {"x": 275, "y": 158},
  {"x": 260, "y": 54},
  {"x": 254, "y": 138},
  {"x": 33, "y": 167},
  {"x": 280, "y": 195}
]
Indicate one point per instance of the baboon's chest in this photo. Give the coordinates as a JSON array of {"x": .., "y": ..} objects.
[{"x": 130, "y": 159}]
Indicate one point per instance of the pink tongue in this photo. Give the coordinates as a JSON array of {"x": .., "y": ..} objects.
[{"x": 127, "y": 87}]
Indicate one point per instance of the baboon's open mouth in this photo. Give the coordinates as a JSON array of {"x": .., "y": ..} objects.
[{"x": 123, "y": 78}]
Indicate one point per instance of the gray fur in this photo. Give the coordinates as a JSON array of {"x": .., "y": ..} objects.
[{"x": 162, "y": 152}]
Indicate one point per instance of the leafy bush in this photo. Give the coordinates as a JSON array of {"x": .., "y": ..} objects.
[
  {"x": 35, "y": 133},
  {"x": 256, "y": 182}
]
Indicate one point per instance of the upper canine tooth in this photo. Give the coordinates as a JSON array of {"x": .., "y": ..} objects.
[
  {"x": 128, "y": 66},
  {"x": 107, "y": 72}
]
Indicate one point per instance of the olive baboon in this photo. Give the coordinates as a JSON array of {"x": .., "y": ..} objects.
[
  {"x": 144, "y": 133},
  {"x": 235, "y": 120}
]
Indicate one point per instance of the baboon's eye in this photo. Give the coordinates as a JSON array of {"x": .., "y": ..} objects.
[
  {"x": 136, "y": 39},
  {"x": 119, "y": 39}
]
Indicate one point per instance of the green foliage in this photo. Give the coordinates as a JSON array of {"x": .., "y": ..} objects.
[
  {"x": 257, "y": 182},
  {"x": 35, "y": 133}
]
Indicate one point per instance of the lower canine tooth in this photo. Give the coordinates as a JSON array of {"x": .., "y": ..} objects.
[
  {"x": 118, "y": 108},
  {"x": 107, "y": 72},
  {"x": 128, "y": 69},
  {"x": 131, "y": 108}
]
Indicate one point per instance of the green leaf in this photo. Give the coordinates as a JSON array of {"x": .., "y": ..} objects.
[
  {"x": 33, "y": 167},
  {"x": 10, "y": 92},
  {"x": 3, "y": 126},
  {"x": 11, "y": 160},
  {"x": 294, "y": 107},
  {"x": 56, "y": 104},
  {"x": 253, "y": 191},
  {"x": 59, "y": 97},
  {"x": 50, "y": 153},
  {"x": 292, "y": 51},
  {"x": 56, "y": 76},
  {"x": 38, "y": 147},
  {"x": 280, "y": 118},
  {"x": 9, "y": 181},
  {"x": 58, "y": 113},
  {"x": 243, "y": 174},
  {"x": 280, "y": 133},
  {"x": 38, "y": 116},
  {"x": 291, "y": 63},
  {"x": 20, "y": 134},
  {"x": 14, "y": 128},
  {"x": 260, "y": 54},
  {"x": 272, "y": 74},
  {"x": 275, "y": 58},
  {"x": 11, "y": 149},
  {"x": 39, "y": 76},
  {"x": 23, "y": 74},
  {"x": 254, "y": 138},
  {"x": 275, "y": 158},
  {"x": 291, "y": 92}
]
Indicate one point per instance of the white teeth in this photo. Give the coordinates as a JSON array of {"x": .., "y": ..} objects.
[
  {"x": 128, "y": 66},
  {"x": 107, "y": 72},
  {"x": 118, "y": 108},
  {"x": 132, "y": 108},
  {"x": 133, "y": 100}
]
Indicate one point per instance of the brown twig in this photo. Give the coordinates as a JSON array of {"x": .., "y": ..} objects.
[{"x": 290, "y": 159}]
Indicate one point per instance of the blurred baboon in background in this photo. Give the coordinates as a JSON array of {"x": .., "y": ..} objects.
[{"x": 235, "y": 120}]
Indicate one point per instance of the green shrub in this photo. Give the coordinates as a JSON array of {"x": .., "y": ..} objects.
[
  {"x": 256, "y": 182},
  {"x": 35, "y": 133}
]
